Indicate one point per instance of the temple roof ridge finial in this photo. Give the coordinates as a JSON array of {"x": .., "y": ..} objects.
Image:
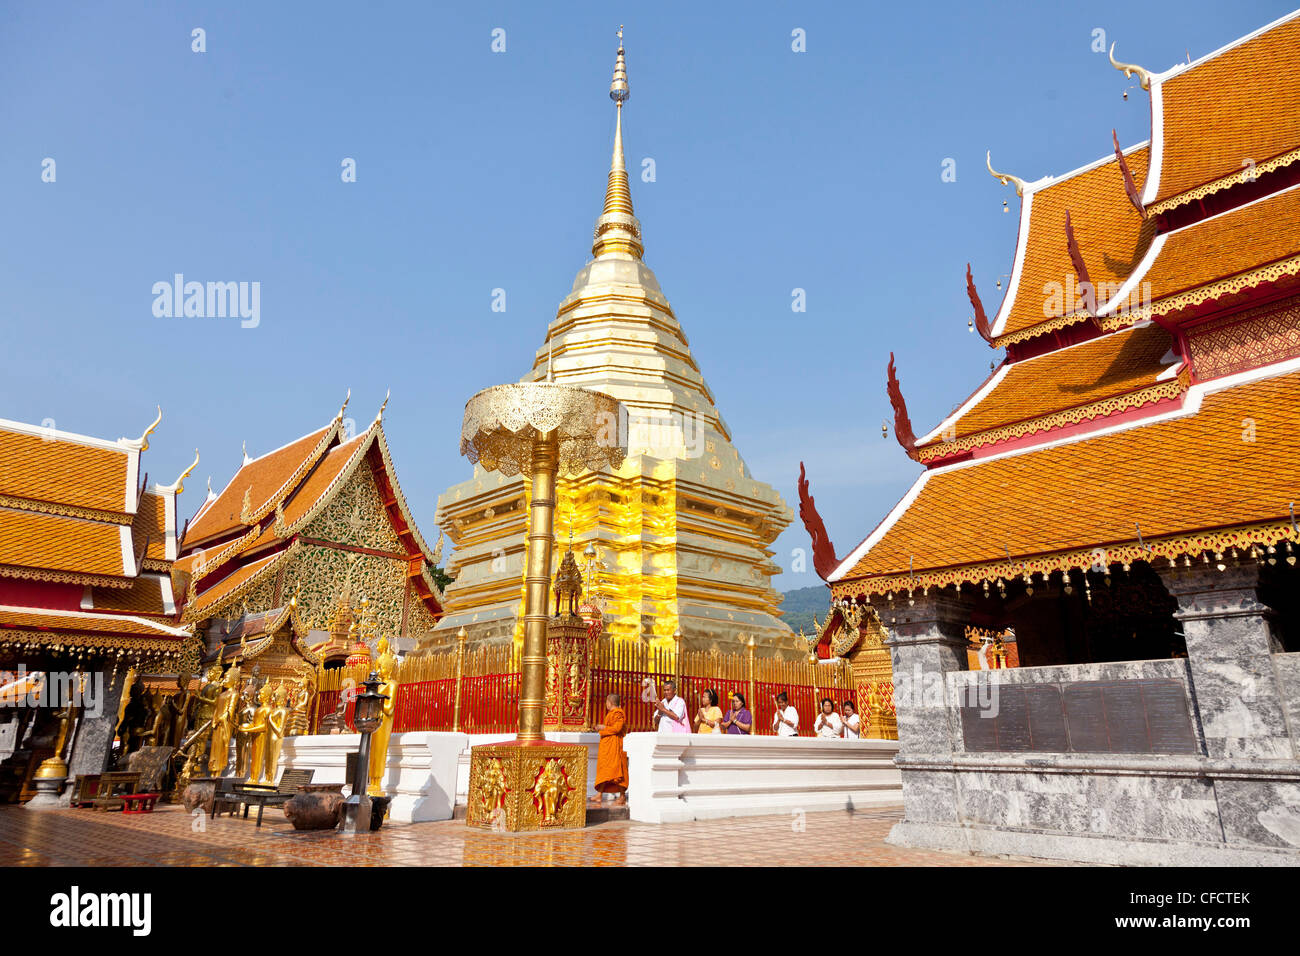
[
  {"x": 178, "y": 485},
  {"x": 1004, "y": 178},
  {"x": 142, "y": 443},
  {"x": 1131, "y": 69}
]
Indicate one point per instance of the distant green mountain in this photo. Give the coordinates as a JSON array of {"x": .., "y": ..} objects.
[{"x": 800, "y": 604}]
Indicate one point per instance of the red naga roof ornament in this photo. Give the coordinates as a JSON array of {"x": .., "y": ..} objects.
[
  {"x": 1130, "y": 187},
  {"x": 824, "y": 560},
  {"x": 1086, "y": 289},
  {"x": 981, "y": 319},
  {"x": 902, "y": 423}
]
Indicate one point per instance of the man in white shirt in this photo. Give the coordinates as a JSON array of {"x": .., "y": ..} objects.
[
  {"x": 786, "y": 719},
  {"x": 852, "y": 722},
  {"x": 828, "y": 723},
  {"x": 671, "y": 711}
]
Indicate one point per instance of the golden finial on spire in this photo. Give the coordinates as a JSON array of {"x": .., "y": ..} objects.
[
  {"x": 1131, "y": 69},
  {"x": 618, "y": 90},
  {"x": 346, "y": 398},
  {"x": 1004, "y": 178},
  {"x": 387, "y": 396},
  {"x": 618, "y": 233}
]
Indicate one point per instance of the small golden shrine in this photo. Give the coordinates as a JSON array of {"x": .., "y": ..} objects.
[
  {"x": 570, "y": 646},
  {"x": 853, "y": 633},
  {"x": 270, "y": 644}
]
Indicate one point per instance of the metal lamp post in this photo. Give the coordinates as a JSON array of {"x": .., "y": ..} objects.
[{"x": 366, "y": 717}]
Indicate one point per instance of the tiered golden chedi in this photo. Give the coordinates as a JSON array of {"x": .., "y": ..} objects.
[{"x": 682, "y": 528}]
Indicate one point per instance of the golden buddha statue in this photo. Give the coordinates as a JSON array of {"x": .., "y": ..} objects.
[
  {"x": 300, "y": 713},
  {"x": 56, "y": 767},
  {"x": 225, "y": 712},
  {"x": 256, "y": 731},
  {"x": 387, "y": 668}
]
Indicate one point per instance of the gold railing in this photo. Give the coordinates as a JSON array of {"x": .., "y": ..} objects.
[{"x": 477, "y": 691}]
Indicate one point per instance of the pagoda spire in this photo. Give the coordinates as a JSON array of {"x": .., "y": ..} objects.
[{"x": 618, "y": 233}]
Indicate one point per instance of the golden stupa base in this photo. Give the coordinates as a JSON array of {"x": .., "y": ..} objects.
[
  {"x": 520, "y": 786},
  {"x": 52, "y": 769}
]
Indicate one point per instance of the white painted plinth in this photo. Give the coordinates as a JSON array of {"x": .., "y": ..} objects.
[
  {"x": 679, "y": 777},
  {"x": 420, "y": 775},
  {"x": 592, "y": 742}
]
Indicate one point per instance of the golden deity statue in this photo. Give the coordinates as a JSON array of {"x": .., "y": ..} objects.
[
  {"x": 387, "y": 667},
  {"x": 225, "y": 714},
  {"x": 257, "y": 731},
  {"x": 206, "y": 698},
  {"x": 493, "y": 788},
  {"x": 549, "y": 791},
  {"x": 246, "y": 713},
  {"x": 125, "y": 700},
  {"x": 276, "y": 725}
]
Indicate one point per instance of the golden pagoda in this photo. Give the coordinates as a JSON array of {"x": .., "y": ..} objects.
[{"x": 683, "y": 531}]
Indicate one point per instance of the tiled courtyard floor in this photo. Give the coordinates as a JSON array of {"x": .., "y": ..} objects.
[{"x": 168, "y": 837}]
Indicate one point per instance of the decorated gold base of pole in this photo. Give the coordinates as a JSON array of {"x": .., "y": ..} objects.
[{"x": 520, "y": 786}]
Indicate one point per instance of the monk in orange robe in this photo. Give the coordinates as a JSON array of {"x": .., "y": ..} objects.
[{"x": 611, "y": 761}]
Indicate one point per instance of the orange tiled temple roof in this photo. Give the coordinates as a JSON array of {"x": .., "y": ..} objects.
[
  {"x": 1235, "y": 105},
  {"x": 151, "y": 525},
  {"x": 22, "y": 618},
  {"x": 67, "y": 549},
  {"x": 145, "y": 597},
  {"x": 72, "y": 512},
  {"x": 266, "y": 480},
  {"x": 233, "y": 583},
  {"x": 48, "y": 469},
  {"x": 1112, "y": 238},
  {"x": 1178, "y": 478},
  {"x": 237, "y": 563},
  {"x": 1242, "y": 248},
  {"x": 1041, "y": 388}
]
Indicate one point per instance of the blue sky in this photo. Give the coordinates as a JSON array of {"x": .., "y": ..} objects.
[{"x": 479, "y": 170}]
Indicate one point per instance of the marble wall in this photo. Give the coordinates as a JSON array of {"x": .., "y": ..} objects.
[{"x": 1236, "y": 800}]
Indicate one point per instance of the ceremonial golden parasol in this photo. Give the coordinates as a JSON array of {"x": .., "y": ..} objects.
[{"x": 540, "y": 429}]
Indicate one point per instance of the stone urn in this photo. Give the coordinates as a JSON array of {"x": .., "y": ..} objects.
[{"x": 315, "y": 806}]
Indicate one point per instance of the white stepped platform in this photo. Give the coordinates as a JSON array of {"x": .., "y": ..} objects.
[{"x": 680, "y": 777}]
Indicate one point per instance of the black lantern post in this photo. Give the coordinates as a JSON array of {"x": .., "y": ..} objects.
[{"x": 365, "y": 717}]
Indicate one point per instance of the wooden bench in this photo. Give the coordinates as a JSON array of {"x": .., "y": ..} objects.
[
  {"x": 85, "y": 788},
  {"x": 224, "y": 797},
  {"x": 112, "y": 787},
  {"x": 139, "y": 802},
  {"x": 290, "y": 781}
]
